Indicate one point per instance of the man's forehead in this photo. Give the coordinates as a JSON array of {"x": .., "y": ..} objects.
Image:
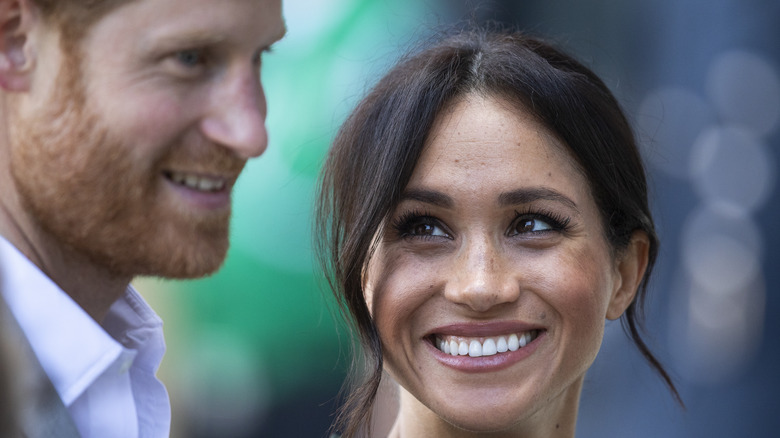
[{"x": 199, "y": 21}]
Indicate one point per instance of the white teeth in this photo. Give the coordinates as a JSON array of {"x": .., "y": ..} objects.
[
  {"x": 489, "y": 347},
  {"x": 207, "y": 185},
  {"x": 477, "y": 347},
  {"x": 201, "y": 183},
  {"x": 523, "y": 341},
  {"x": 501, "y": 346}
]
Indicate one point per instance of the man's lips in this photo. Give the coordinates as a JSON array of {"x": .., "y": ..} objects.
[
  {"x": 202, "y": 182},
  {"x": 205, "y": 191}
]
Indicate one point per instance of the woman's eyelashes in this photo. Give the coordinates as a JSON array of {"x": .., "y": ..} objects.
[
  {"x": 528, "y": 223},
  {"x": 414, "y": 224},
  {"x": 535, "y": 222}
]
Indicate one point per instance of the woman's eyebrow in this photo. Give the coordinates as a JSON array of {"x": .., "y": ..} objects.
[
  {"x": 428, "y": 197},
  {"x": 528, "y": 195}
]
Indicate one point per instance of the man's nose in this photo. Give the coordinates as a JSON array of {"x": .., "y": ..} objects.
[
  {"x": 236, "y": 117},
  {"x": 481, "y": 277}
]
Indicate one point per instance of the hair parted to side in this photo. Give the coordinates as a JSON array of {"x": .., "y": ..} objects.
[{"x": 377, "y": 148}]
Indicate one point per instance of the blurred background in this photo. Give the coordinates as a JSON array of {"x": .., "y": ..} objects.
[{"x": 256, "y": 350}]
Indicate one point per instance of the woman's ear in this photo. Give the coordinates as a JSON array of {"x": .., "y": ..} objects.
[
  {"x": 369, "y": 274},
  {"x": 17, "y": 18},
  {"x": 368, "y": 288},
  {"x": 631, "y": 267}
]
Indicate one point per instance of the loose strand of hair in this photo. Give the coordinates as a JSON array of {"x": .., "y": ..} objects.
[{"x": 633, "y": 328}]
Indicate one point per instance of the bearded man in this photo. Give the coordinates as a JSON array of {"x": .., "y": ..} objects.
[{"x": 125, "y": 124}]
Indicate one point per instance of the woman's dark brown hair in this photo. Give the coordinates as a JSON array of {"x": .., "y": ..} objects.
[{"x": 376, "y": 150}]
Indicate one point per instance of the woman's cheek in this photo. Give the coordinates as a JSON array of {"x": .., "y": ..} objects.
[{"x": 397, "y": 285}]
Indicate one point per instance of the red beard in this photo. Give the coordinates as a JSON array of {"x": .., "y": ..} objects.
[{"x": 97, "y": 196}]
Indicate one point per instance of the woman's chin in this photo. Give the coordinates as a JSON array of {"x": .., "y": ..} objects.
[
  {"x": 482, "y": 425},
  {"x": 481, "y": 421}
]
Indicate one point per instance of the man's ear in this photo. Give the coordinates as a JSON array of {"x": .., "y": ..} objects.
[
  {"x": 631, "y": 266},
  {"x": 16, "y": 55}
]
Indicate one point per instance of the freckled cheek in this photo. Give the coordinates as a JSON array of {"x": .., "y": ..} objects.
[
  {"x": 584, "y": 305},
  {"x": 576, "y": 292},
  {"x": 400, "y": 307},
  {"x": 397, "y": 292}
]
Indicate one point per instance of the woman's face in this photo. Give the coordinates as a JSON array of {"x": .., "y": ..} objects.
[{"x": 492, "y": 280}]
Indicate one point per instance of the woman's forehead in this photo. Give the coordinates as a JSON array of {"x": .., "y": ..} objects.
[{"x": 485, "y": 139}]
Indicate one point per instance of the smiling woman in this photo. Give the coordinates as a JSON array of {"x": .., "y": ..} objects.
[{"x": 482, "y": 213}]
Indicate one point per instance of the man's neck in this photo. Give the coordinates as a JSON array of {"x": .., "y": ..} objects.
[{"x": 92, "y": 287}]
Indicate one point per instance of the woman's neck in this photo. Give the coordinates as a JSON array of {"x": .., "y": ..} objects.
[{"x": 556, "y": 420}]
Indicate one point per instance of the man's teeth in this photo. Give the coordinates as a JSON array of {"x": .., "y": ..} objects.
[
  {"x": 478, "y": 347},
  {"x": 196, "y": 182}
]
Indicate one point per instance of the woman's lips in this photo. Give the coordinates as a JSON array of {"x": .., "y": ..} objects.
[{"x": 484, "y": 347}]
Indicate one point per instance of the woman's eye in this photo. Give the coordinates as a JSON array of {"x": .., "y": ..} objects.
[
  {"x": 531, "y": 225},
  {"x": 416, "y": 225},
  {"x": 426, "y": 229}
]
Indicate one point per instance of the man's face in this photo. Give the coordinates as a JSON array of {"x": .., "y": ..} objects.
[{"x": 129, "y": 156}]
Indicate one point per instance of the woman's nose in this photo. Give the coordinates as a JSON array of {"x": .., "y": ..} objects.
[{"x": 481, "y": 277}]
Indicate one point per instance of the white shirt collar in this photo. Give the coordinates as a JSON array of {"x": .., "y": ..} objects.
[{"x": 75, "y": 357}]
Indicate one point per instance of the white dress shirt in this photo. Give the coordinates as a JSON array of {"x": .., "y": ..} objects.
[{"x": 105, "y": 374}]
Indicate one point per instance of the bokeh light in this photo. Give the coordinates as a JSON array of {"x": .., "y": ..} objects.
[
  {"x": 732, "y": 165},
  {"x": 745, "y": 90},
  {"x": 668, "y": 122}
]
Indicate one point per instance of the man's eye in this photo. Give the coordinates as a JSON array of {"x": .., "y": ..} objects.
[{"x": 190, "y": 58}]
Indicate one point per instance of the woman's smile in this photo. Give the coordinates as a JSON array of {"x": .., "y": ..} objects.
[
  {"x": 485, "y": 354},
  {"x": 479, "y": 347},
  {"x": 482, "y": 347}
]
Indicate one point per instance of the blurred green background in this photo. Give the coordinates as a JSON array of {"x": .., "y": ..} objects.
[{"x": 255, "y": 350}]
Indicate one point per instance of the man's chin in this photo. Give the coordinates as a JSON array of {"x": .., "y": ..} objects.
[
  {"x": 196, "y": 263},
  {"x": 186, "y": 257},
  {"x": 191, "y": 271}
]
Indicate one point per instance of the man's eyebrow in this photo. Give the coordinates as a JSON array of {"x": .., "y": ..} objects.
[
  {"x": 191, "y": 39},
  {"x": 427, "y": 197},
  {"x": 528, "y": 195}
]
